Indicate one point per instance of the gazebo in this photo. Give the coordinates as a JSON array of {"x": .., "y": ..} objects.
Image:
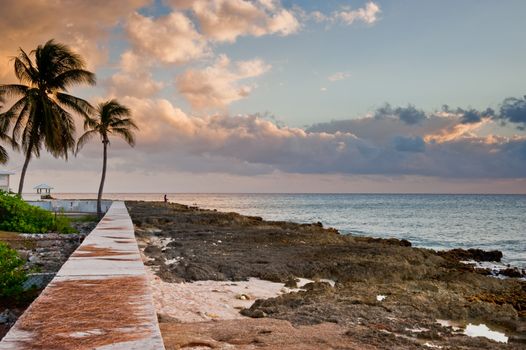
[
  {"x": 4, "y": 180},
  {"x": 43, "y": 189}
]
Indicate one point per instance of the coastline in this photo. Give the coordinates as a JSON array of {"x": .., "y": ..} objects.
[
  {"x": 386, "y": 293},
  {"x": 439, "y": 222}
]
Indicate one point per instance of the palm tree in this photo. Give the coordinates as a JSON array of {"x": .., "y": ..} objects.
[
  {"x": 111, "y": 118},
  {"x": 41, "y": 117}
]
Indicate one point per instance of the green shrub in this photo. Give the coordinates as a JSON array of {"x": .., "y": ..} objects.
[
  {"x": 18, "y": 216},
  {"x": 62, "y": 224},
  {"x": 12, "y": 273}
]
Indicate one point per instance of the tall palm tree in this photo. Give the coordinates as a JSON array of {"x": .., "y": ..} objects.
[
  {"x": 41, "y": 115},
  {"x": 111, "y": 118}
]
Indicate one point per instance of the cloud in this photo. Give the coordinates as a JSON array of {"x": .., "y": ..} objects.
[
  {"x": 455, "y": 132},
  {"x": 83, "y": 25},
  {"x": 513, "y": 110},
  {"x": 339, "y": 76},
  {"x": 409, "y": 144},
  {"x": 409, "y": 114},
  {"x": 368, "y": 14},
  {"x": 470, "y": 116},
  {"x": 170, "y": 39},
  {"x": 134, "y": 78},
  {"x": 171, "y": 140},
  {"x": 226, "y": 20},
  {"x": 218, "y": 85}
]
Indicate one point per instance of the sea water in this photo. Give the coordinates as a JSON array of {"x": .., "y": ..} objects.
[{"x": 433, "y": 221}]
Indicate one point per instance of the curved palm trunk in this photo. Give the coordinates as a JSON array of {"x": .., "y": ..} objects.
[
  {"x": 24, "y": 168},
  {"x": 101, "y": 187}
]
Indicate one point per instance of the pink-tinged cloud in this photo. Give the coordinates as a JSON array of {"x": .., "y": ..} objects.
[
  {"x": 134, "y": 78},
  {"x": 368, "y": 14},
  {"x": 226, "y": 20},
  {"x": 219, "y": 85},
  {"x": 455, "y": 132},
  {"x": 170, "y": 39},
  {"x": 83, "y": 25}
]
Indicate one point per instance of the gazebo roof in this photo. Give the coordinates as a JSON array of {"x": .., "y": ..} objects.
[
  {"x": 43, "y": 187},
  {"x": 5, "y": 172}
]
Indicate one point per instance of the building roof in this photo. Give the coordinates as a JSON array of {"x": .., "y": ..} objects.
[
  {"x": 5, "y": 172},
  {"x": 43, "y": 187}
]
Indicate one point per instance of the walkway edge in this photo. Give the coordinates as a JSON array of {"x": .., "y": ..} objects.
[{"x": 100, "y": 298}]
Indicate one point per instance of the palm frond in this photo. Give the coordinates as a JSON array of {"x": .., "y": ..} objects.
[
  {"x": 84, "y": 139},
  {"x": 21, "y": 118},
  {"x": 4, "y": 157},
  {"x": 23, "y": 73},
  {"x": 80, "y": 106},
  {"x": 14, "y": 110},
  {"x": 59, "y": 130},
  {"x": 6, "y": 138},
  {"x": 53, "y": 59},
  {"x": 112, "y": 109},
  {"x": 91, "y": 123},
  {"x": 126, "y": 134},
  {"x": 12, "y": 90},
  {"x": 123, "y": 123},
  {"x": 73, "y": 77}
]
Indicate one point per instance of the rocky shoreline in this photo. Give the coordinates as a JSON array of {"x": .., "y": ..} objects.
[{"x": 386, "y": 294}]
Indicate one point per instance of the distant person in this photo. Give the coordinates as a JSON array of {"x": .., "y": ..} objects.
[{"x": 165, "y": 198}]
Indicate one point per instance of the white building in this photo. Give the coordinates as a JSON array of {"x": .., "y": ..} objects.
[{"x": 4, "y": 180}]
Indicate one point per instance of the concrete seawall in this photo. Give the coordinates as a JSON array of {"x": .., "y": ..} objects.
[
  {"x": 68, "y": 206},
  {"x": 100, "y": 298}
]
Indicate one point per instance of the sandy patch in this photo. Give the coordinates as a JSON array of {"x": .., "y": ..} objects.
[{"x": 211, "y": 300}]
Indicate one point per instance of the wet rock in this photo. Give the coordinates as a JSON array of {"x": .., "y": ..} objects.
[
  {"x": 513, "y": 272},
  {"x": 254, "y": 313},
  {"x": 472, "y": 254},
  {"x": 7, "y": 317},
  {"x": 291, "y": 282}
]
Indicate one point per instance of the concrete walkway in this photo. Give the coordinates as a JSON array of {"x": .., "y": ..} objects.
[{"x": 100, "y": 298}]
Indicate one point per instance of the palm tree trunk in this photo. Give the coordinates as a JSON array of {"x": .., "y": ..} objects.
[
  {"x": 24, "y": 168},
  {"x": 101, "y": 187}
]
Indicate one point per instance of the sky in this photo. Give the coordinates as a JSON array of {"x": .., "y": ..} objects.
[{"x": 255, "y": 96}]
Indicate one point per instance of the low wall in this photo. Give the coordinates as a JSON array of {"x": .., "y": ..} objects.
[
  {"x": 73, "y": 205},
  {"x": 100, "y": 299}
]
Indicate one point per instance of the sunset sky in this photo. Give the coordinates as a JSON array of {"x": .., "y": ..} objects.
[{"x": 291, "y": 96}]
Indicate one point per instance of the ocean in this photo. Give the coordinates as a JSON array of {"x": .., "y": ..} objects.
[{"x": 433, "y": 221}]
